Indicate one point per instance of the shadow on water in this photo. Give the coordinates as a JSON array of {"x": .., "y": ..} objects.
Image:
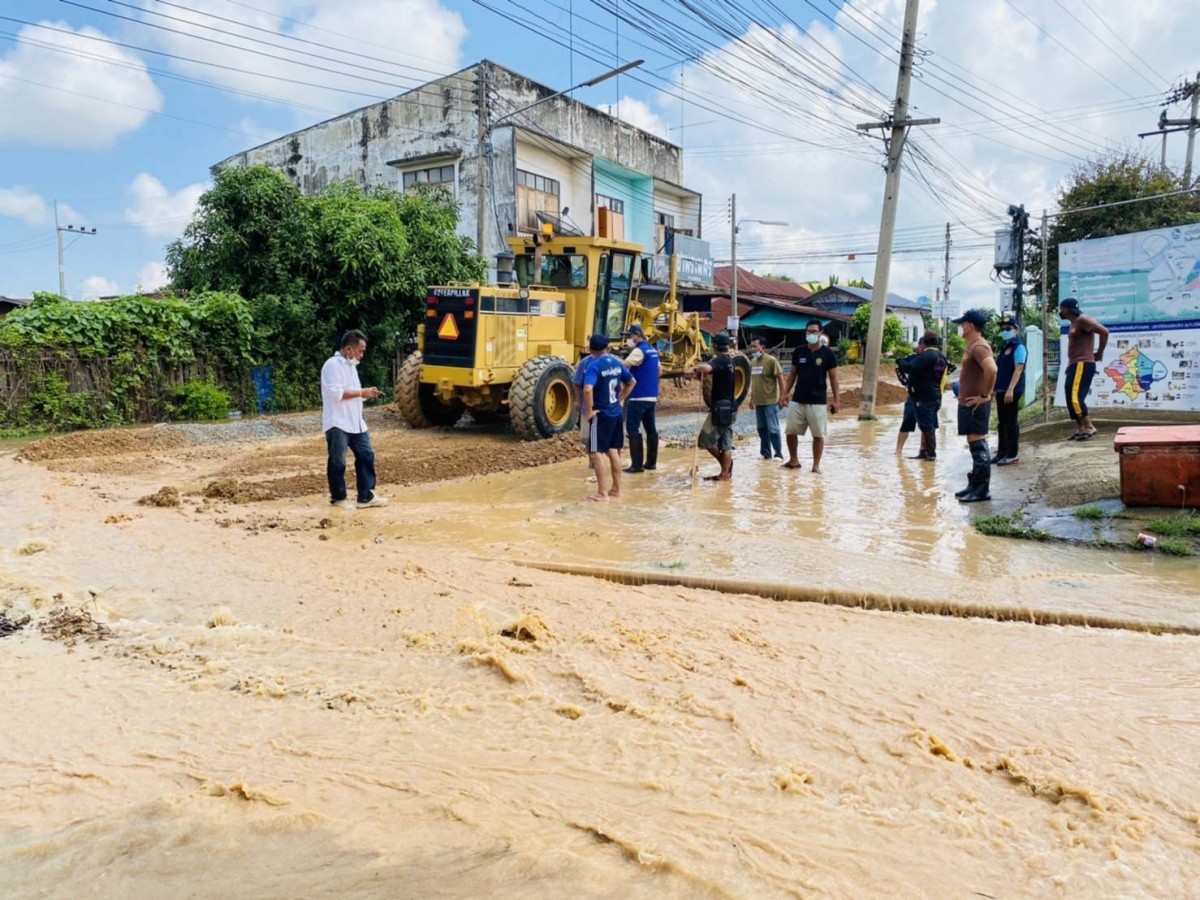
[{"x": 870, "y": 522}]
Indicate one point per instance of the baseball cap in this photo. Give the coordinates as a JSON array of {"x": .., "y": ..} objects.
[
  {"x": 598, "y": 342},
  {"x": 1008, "y": 319},
  {"x": 974, "y": 316},
  {"x": 1070, "y": 303},
  {"x": 721, "y": 341},
  {"x": 634, "y": 329}
]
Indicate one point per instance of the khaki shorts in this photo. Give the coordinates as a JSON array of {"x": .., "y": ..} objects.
[
  {"x": 714, "y": 438},
  {"x": 803, "y": 416}
]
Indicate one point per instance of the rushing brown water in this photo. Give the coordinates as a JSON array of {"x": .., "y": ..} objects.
[{"x": 289, "y": 703}]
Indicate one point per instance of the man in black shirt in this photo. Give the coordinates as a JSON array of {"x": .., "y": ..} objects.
[
  {"x": 925, "y": 372},
  {"x": 716, "y": 435},
  {"x": 814, "y": 371}
]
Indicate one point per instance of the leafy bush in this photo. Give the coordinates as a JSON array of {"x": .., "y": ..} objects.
[
  {"x": 198, "y": 401},
  {"x": 54, "y": 407}
]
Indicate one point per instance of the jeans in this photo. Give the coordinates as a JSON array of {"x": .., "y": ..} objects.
[
  {"x": 641, "y": 414},
  {"x": 364, "y": 464},
  {"x": 766, "y": 418}
]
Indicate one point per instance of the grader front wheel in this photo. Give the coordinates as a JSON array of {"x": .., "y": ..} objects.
[
  {"x": 417, "y": 402},
  {"x": 541, "y": 401}
]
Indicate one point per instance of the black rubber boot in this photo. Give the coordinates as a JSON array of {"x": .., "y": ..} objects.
[
  {"x": 970, "y": 487},
  {"x": 651, "y": 451},
  {"x": 635, "y": 455},
  {"x": 981, "y": 474},
  {"x": 930, "y": 448}
]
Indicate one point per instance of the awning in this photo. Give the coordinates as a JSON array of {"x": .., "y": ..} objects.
[{"x": 780, "y": 319}]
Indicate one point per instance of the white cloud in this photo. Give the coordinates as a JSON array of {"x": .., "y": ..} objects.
[
  {"x": 1051, "y": 112},
  {"x": 85, "y": 98},
  {"x": 22, "y": 203},
  {"x": 152, "y": 277},
  {"x": 639, "y": 114},
  {"x": 98, "y": 286},
  {"x": 368, "y": 28},
  {"x": 156, "y": 210}
]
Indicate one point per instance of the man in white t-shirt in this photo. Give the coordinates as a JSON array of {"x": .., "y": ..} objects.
[{"x": 342, "y": 419}]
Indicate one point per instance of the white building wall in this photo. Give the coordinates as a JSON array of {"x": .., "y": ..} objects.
[{"x": 574, "y": 175}]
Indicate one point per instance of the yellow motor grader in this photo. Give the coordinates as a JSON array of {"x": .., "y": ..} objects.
[{"x": 509, "y": 350}]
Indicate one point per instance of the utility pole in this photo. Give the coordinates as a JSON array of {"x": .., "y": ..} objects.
[
  {"x": 1046, "y": 389},
  {"x": 1167, "y": 126},
  {"x": 944, "y": 325},
  {"x": 483, "y": 160},
  {"x": 899, "y": 123},
  {"x": 58, "y": 231},
  {"x": 731, "y": 324},
  {"x": 1020, "y": 225}
]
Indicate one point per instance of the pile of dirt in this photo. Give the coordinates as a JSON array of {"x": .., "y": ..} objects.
[
  {"x": 107, "y": 442},
  {"x": 233, "y": 491},
  {"x": 166, "y": 496},
  {"x": 886, "y": 394}
]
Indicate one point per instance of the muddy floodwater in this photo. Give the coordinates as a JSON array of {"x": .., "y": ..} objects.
[{"x": 221, "y": 699}]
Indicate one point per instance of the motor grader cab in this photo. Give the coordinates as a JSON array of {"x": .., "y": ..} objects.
[{"x": 509, "y": 350}]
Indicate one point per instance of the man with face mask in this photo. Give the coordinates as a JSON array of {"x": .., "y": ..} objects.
[
  {"x": 1010, "y": 388},
  {"x": 1082, "y": 356},
  {"x": 342, "y": 419},
  {"x": 766, "y": 387},
  {"x": 977, "y": 378},
  {"x": 813, "y": 374},
  {"x": 642, "y": 362}
]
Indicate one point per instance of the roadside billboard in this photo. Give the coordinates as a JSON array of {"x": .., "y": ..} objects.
[{"x": 1145, "y": 288}]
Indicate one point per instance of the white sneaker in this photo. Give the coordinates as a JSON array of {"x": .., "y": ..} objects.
[
  {"x": 340, "y": 504},
  {"x": 374, "y": 501}
]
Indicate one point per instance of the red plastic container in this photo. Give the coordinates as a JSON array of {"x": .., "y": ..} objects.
[{"x": 1160, "y": 465}]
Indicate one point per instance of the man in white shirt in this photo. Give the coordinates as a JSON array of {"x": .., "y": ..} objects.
[{"x": 342, "y": 419}]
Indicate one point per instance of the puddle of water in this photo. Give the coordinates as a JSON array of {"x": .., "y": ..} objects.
[{"x": 871, "y": 522}]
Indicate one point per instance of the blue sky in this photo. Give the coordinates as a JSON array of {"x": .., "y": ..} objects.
[{"x": 763, "y": 105}]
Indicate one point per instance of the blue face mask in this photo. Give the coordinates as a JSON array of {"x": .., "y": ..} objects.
[
  {"x": 1008, "y": 335},
  {"x": 813, "y": 338}
]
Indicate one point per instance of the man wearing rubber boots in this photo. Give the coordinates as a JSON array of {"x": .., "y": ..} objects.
[
  {"x": 976, "y": 380},
  {"x": 642, "y": 362}
]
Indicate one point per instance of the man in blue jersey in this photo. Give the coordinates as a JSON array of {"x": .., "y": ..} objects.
[
  {"x": 606, "y": 384},
  {"x": 642, "y": 361}
]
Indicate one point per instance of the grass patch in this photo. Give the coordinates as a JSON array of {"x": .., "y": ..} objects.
[
  {"x": 1175, "y": 546},
  {"x": 1008, "y": 526},
  {"x": 1178, "y": 526},
  {"x": 1089, "y": 512}
]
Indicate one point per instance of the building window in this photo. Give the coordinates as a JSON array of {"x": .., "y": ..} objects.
[
  {"x": 666, "y": 220},
  {"x": 605, "y": 202},
  {"x": 535, "y": 194},
  {"x": 437, "y": 175}
]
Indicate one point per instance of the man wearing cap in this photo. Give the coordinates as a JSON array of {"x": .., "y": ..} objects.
[
  {"x": 813, "y": 373},
  {"x": 642, "y": 362},
  {"x": 1082, "y": 356},
  {"x": 976, "y": 379},
  {"x": 606, "y": 384},
  {"x": 924, "y": 373},
  {"x": 1010, "y": 388},
  {"x": 716, "y": 435}
]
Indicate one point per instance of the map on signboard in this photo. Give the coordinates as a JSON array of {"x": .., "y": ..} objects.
[
  {"x": 1150, "y": 276},
  {"x": 1133, "y": 372}
]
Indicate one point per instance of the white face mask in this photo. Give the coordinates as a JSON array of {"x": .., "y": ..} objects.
[
  {"x": 632, "y": 342},
  {"x": 353, "y": 362},
  {"x": 813, "y": 338},
  {"x": 755, "y": 354}
]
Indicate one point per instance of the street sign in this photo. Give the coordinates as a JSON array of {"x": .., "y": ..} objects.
[{"x": 732, "y": 324}]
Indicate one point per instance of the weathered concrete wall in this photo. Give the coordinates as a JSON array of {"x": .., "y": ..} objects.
[{"x": 438, "y": 124}]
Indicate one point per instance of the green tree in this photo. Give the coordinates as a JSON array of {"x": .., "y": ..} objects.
[
  {"x": 313, "y": 267},
  {"x": 1115, "y": 177},
  {"x": 893, "y": 328}
]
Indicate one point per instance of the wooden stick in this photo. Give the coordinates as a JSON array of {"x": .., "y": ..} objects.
[{"x": 696, "y": 451}]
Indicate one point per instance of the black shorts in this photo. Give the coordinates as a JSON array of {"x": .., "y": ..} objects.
[
  {"x": 1077, "y": 385},
  {"x": 974, "y": 421},
  {"x": 606, "y": 434},
  {"x": 927, "y": 414}
]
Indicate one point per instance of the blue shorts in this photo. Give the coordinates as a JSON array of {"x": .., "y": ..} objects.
[
  {"x": 927, "y": 414},
  {"x": 909, "y": 422},
  {"x": 606, "y": 434}
]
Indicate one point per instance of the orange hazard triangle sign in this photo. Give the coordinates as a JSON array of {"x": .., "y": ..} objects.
[{"x": 448, "y": 330}]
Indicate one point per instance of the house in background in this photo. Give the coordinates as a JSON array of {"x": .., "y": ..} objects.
[
  {"x": 8, "y": 304},
  {"x": 510, "y": 169},
  {"x": 771, "y": 308},
  {"x": 845, "y": 300}
]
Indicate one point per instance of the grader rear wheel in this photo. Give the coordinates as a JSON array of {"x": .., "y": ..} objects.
[
  {"x": 741, "y": 382},
  {"x": 417, "y": 402},
  {"x": 541, "y": 401}
]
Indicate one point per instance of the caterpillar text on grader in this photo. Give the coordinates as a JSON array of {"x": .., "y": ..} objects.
[{"x": 509, "y": 350}]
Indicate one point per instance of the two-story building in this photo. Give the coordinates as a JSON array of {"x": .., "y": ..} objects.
[{"x": 514, "y": 156}]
